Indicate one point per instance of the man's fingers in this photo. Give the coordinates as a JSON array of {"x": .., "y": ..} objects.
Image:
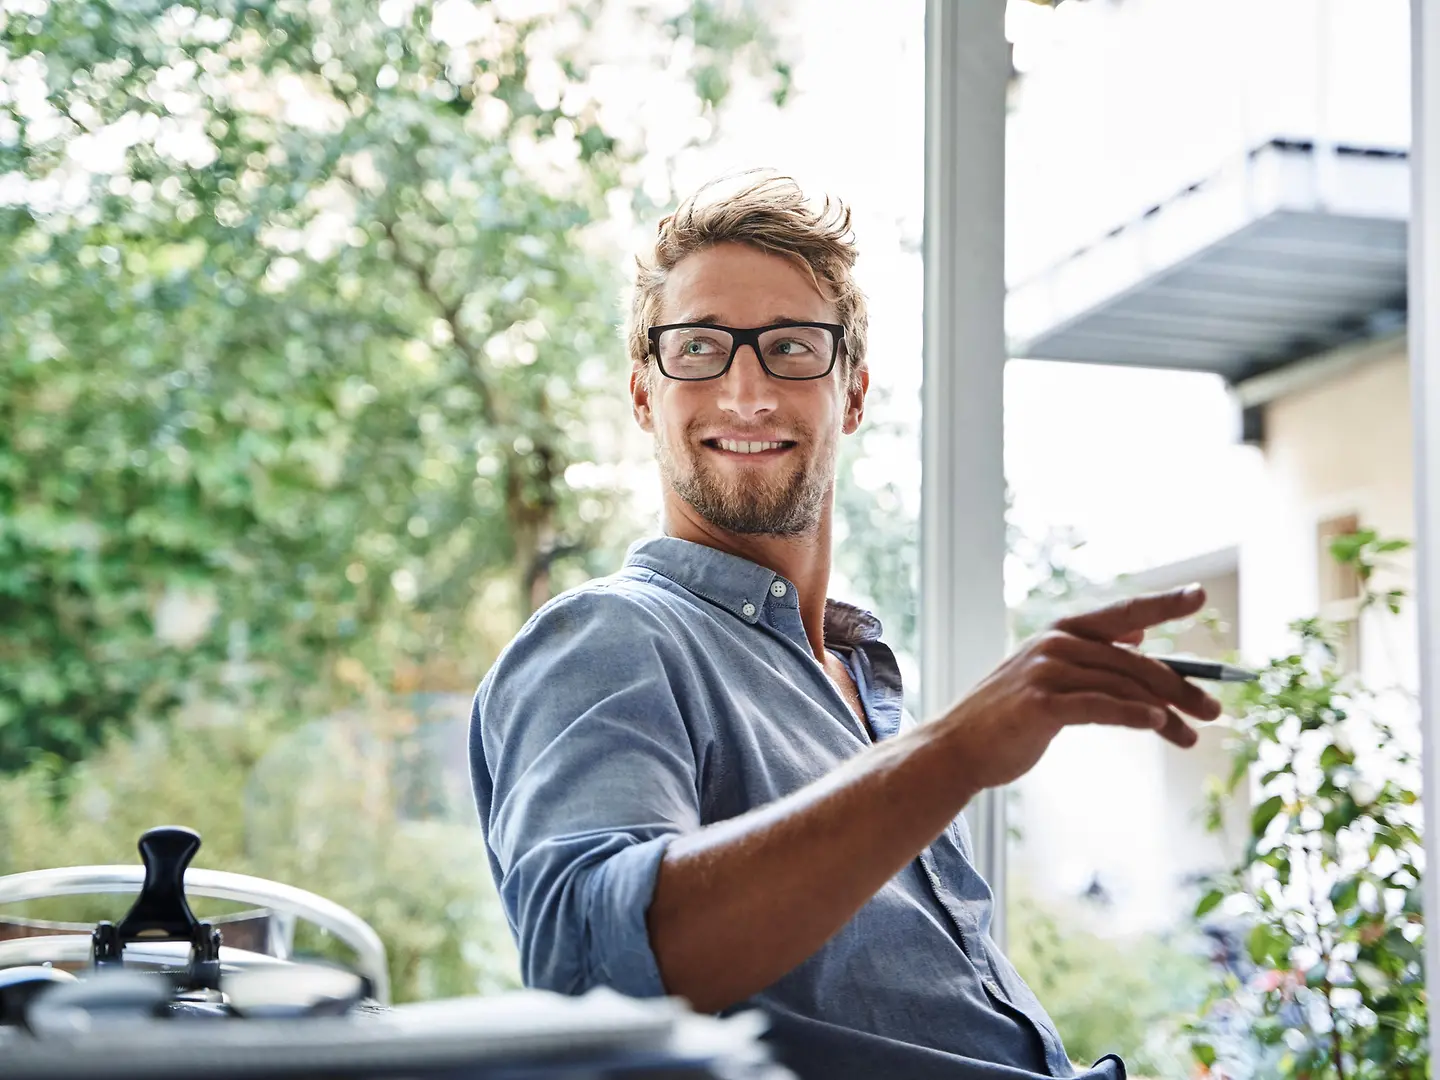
[
  {"x": 1123, "y": 619},
  {"x": 1094, "y": 707},
  {"x": 1139, "y": 675},
  {"x": 1118, "y": 686},
  {"x": 1178, "y": 732}
]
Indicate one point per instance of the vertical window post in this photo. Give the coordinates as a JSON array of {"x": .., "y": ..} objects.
[
  {"x": 1424, "y": 331},
  {"x": 967, "y": 67}
]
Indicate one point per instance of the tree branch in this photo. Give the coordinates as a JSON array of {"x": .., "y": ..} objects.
[
  {"x": 450, "y": 312},
  {"x": 548, "y": 557}
]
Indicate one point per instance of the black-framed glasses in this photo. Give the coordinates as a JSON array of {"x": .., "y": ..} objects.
[{"x": 691, "y": 352}]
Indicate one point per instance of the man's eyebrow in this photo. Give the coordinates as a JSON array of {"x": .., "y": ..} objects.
[{"x": 774, "y": 320}]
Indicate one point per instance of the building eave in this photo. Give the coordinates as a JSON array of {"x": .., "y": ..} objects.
[{"x": 1288, "y": 251}]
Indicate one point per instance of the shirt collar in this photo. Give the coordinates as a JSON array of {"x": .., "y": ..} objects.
[
  {"x": 749, "y": 592},
  {"x": 846, "y": 624},
  {"x": 742, "y": 587},
  {"x": 737, "y": 585}
]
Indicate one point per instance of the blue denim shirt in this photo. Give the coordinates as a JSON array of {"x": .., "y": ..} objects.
[{"x": 682, "y": 691}]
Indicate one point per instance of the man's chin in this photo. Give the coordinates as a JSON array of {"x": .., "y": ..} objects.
[
  {"x": 753, "y": 513},
  {"x": 746, "y": 505}
]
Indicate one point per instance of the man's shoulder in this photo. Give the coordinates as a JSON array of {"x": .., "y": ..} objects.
[
  {"x": 595, "y": 639},
  {"x": 631, "y": 595},
  {"x": 610, "y": 614}
]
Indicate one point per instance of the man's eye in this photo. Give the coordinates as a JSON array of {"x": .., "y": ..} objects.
[{"x": 791, "y": 347}]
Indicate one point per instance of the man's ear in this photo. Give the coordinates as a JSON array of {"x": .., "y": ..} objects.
[
  {"x": 856, "y": 387},
  {"x": 640, "y": 397}
]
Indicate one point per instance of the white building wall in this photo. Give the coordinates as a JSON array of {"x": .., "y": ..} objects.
[
  {"x": 1123, "y": 807},
  {"x": 1341, "y": 446}
]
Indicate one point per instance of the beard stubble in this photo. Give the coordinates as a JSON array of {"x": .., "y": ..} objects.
[{"x": 754, "y": 505}]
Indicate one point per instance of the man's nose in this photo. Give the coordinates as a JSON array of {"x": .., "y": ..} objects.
[{"x": 746, "y": 389}]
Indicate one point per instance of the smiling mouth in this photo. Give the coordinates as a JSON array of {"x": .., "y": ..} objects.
[{"x": 733, "y": 446}]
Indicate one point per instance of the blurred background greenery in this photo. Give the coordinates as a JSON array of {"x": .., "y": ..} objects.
[
  {"x": 304, "y": 311},
  {"x": 1107, "y": 995}
]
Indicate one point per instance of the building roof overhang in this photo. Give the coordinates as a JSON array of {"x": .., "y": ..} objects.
[{"x": 1290, "y": 250}]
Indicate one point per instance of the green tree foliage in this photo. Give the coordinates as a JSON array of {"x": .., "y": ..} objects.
[
  {"x": 1328, "y": 983},
  {"x": 877, "y": 537},
  {"x": 305, "y": 311},
  {"x": 1107, "y": 995}
]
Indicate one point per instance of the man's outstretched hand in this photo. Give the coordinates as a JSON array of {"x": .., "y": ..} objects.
[{"x": 1078, "y": 672}]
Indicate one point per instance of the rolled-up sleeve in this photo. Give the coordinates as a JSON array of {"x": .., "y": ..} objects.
[{"x": 584, "y": 770}]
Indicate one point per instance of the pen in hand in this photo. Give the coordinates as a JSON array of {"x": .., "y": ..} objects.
[{"x": 1206, "y": 669}]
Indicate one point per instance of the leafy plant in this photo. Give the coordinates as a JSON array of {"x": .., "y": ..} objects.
[{"x": 1325, "y": 979}]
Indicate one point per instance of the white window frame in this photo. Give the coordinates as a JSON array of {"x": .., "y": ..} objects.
[
  {"x": 1424, "y": 334},
  {"x": 962, "y": 502}
]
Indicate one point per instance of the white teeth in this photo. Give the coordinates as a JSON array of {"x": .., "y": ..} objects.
[{"x": 747, "y": 447}]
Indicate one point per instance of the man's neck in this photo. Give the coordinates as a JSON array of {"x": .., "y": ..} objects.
[{"x": 802, "y": 560}]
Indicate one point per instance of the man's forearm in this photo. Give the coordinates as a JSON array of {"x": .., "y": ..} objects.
[{"x": 741, "y": 902}]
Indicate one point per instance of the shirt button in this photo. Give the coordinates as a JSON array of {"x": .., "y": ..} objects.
[
  {"x": 777, "y": 588},
  {"x": 747, "y": 609}
]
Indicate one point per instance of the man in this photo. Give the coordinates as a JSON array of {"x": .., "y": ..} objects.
[{"x": 696, "y": 776}]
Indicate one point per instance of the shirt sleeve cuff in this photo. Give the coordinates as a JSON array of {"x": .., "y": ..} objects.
[{"x": 621, "y": 893}]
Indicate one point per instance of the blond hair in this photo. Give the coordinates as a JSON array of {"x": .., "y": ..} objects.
[{"x": 769, "y": 213}]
